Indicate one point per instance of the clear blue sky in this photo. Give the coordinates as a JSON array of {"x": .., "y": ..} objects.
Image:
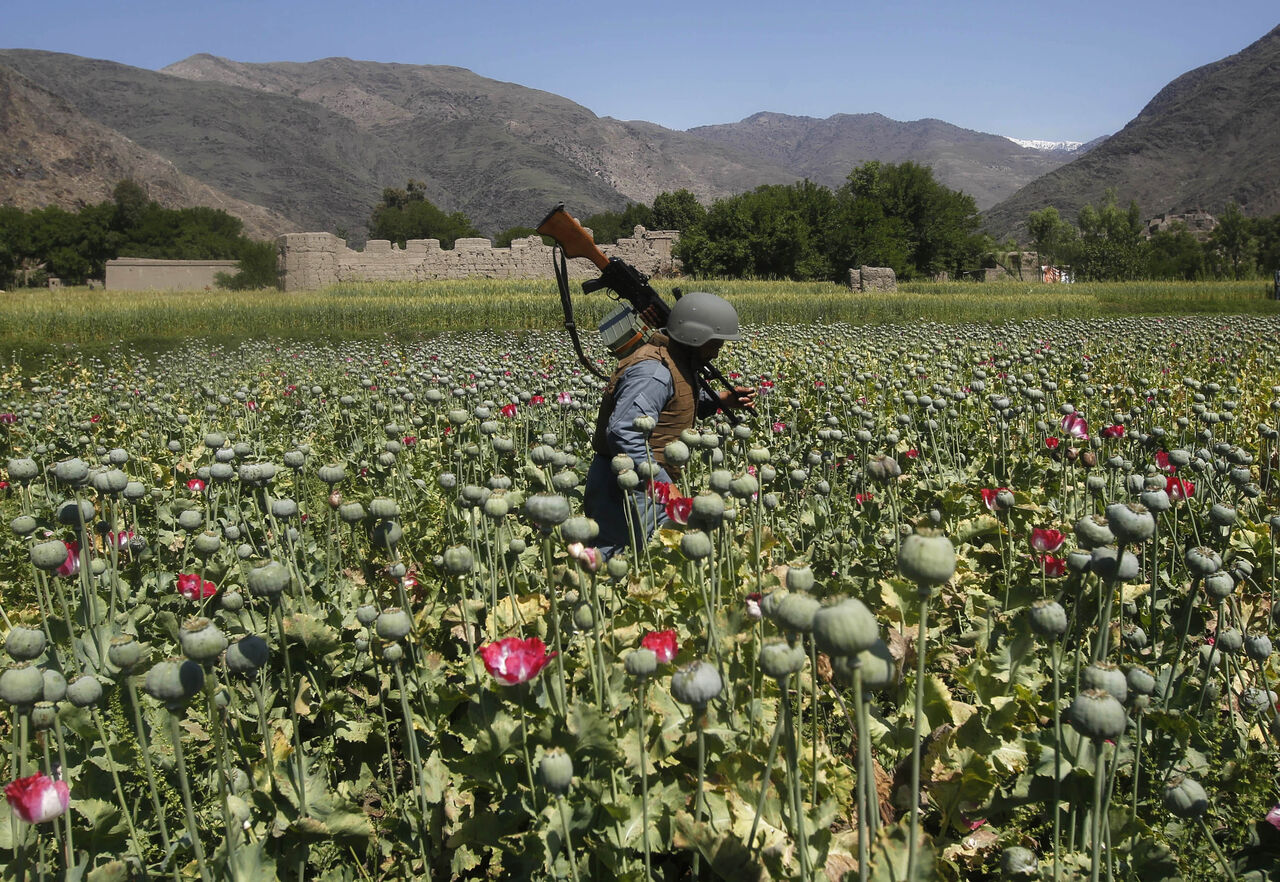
[{"x": 1059, "y": 71}]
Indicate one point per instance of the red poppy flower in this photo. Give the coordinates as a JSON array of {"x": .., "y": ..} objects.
[
  {"x": 912, "y": 454},
  {"x": 662, "y": 643},
  {"x": 38, "y": 798},
  {"x": 195, "y": 485},
  {"x": 660, "y": 491},
  {"x": 679, "y": 508},
  {"x": 1116, "y": 431},
  {"x": 863, "y": 498},
  {"x": 1047, "y": 539},
  {"x": 410, "y": 440},
  {"x": 1162, "y": 462},
  {"x": 537, "y": 399},
  {"x": 989, "y": 498},
  {"x": 1054, "y": 567},
  {"x": 1051, "y": 442},
  {"x": 512, "y": 660},
  {"x": 8, "y": 419},
  {"x": 508, "y": 410},
  {"x": 193, "y": 588},
  {"x": 1179, "y": 488}
]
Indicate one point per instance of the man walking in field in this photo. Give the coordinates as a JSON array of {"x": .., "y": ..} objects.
[{"x": 651, "y": 398}]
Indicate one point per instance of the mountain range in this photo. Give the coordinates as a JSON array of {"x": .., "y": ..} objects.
[{"x": 310, "y": 146}]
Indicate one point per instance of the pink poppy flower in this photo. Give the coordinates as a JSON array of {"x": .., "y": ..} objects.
[
  {"x": 1046, "y": 539},
  {"x": 1076, "y": 426},
  {"x": 512, "y": 660},
  {"x": 779, "y": 428},
  {"x": 587, "y": 555},
  {"x": 71, "y": 565},
  {"x": 38, "y": 798},
  {"x": 662, "y": 643},
  {"x": 8, "y": 419},
  {"x": 564, "y": 398},
  {"x": 1273, "y": 817},
  {"x": 753, "y": 605}
]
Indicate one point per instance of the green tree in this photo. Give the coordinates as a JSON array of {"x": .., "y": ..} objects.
[
  {"x": 406, "y": 214},
  {"x": 1233, "y": 240},
  {"x": 899, "y": 216},
  {"x": 773, "y": 232},
  {"x": 1110, "y": 247},
  {"x": 610, "y": 226},
  {"x": 1051, "y": 236},
  {"x": 258, "y": 268},
  {"x": 1266, "y": 236},
  {"x": 1174, "y": 254},
  {"x": 680, "y": 210}
]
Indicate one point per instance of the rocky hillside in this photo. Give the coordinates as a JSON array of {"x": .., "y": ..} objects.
[
  {"x": 989, "y": 168},
  {"x": 1210, "y": 137},
  {"x": 52, "y": 155},
  {"x": 317, "y": 141}
]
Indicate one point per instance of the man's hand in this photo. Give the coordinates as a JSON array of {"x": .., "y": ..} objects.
[{"x": 738, "y": 397}]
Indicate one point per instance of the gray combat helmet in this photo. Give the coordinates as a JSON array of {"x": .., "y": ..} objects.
[{"x": 698, "y": 317}]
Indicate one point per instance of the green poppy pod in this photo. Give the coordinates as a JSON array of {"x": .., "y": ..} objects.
[
  {"x": 48, "y": 556},
  {"x": 174, "y": 681},
  {"x": 268, "y": 579},
  {"x": 201, "y": 640},
  {"x": 744, "y": 486},
  {"x": 720, "y": 481},
  {"x": 708, "y": 511},
  {"x": 75, "y": 514},
  {"x": 676, "y": 453},
  {"x": 794, "y": 612},
  {"x": 134, "y": 491},
  {"x": 394, "y": 624},
  {"x": 232, "y": 601},
  {"x": 1097, "y": 715},
  {"x": 1048, "y": 618},
  {"x": 458, "y": 560},
  {"x": 110, "y": 481},
  {"x": 696, "y": 545},
  {"x": 641, "y": 662},
  {"x": 1185, "y": 797},
  {"x": 628, "y": 480},
  {"x": 22, "y": 470},
  {"x": 207, "y": 543},
  {"x": 564, "y": 481},
  {"x": 351, "y": 512},
  {"x": 191, "y": 519},
  {"x": 386, "y": 534},
  {"x": 72, "y": 471},
  {"x": 1156, "y": 500},
  {"x": 1107, "y": 677},
  {"x": 799, "y": 578},
  {"x": 1114, "y": 566},
  {"x": 1219, "y": 585},
  {"x": 126, "y": 652},
  {"x": 1093, "y": 531},
  {"x": 779, "y": 659},
  {"x": 497, "y": 506},
  {"x": 579, "y": 529},
  {"x": 1134, "y": 637},
  {"x": 1257, "y": 647},
  {"x": 1202, "y": 561},
  {"x": 1229, "y": 640},
  {"x": 555, "y": 770},
  {"x": 366, "y": 614},
  {"x": 382, "y": 507},
  {"x": 696, "y": 684},
  {"x": 845, "y": 628},
  {"x": 618, "y": 567},
  {"x": 84, "y": 690},
  {"x": 331, "y": 474},
  {"x": 878, "y": 666},
  {"x": 1130, "y": 522},
  {"x": 23, "y": 526},
  {"x": 644, "y": 424},
  {"x": 1222, "y": 515},
  {"x": 284, "y": 508},
  {"x": 55, "y": 685},
  {"x": 43, "y": 715},
  {"x": 1017, "y": 862},
  {"x": 547, "y": 510},
  {"x": 927, "y": 558},
  {"x": 24, "y": 644},
  {"x": 247, "y": 655},
  {"x": 214, "y": 440},
  {"x": 21, "y": 684},
  {"x": 1140, "y": 680}
]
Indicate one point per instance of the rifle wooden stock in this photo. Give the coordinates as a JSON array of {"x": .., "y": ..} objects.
[{"x": 572, "y": 237}]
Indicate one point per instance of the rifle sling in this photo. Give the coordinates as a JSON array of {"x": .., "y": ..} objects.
[{"x": 561, "y": 266}]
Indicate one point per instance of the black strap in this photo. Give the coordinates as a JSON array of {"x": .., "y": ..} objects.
[{"x": 561, "y": 265}]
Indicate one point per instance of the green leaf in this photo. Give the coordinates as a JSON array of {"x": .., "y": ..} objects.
[
  {"x": 318, "y": 637},
  {"x": 889, "y": 856}
]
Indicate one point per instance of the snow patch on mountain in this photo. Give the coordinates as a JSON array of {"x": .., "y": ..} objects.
[{"x": 1033, "y": 144}]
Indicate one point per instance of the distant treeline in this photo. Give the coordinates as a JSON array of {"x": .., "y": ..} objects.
[{"x": 75, "y": 246}]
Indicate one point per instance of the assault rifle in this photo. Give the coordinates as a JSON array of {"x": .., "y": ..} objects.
[{"x": 628, "y": 285}]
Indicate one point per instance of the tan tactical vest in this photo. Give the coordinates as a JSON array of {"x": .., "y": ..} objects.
[{"x": 678, "y": 415}]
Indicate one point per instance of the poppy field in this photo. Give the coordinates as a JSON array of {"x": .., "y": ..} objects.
[{"x": 956, "y": 601}]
